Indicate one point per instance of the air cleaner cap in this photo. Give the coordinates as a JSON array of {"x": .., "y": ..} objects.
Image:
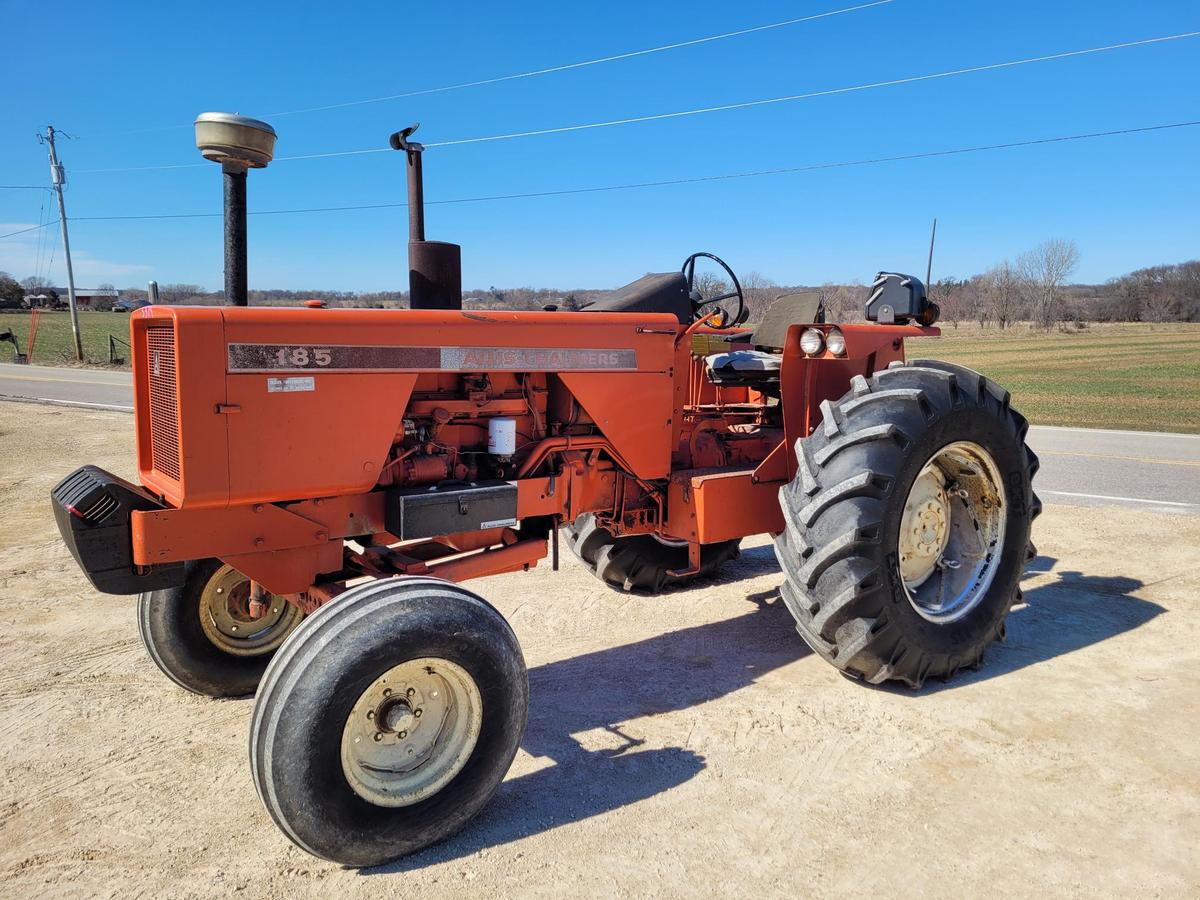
[{"x": 235, "y": 140}]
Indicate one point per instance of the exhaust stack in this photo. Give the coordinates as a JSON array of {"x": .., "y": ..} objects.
[{"x": 434, "y": 267}]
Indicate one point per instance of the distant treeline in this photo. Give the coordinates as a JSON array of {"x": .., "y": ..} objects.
[{"x": 1033, "y": 287}]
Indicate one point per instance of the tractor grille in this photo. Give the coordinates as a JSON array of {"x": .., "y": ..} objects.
[{"x": 164, "y": 402}]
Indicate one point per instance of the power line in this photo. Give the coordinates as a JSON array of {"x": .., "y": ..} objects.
[
  {"x": 808, "y": 96},
  {"x": 678, "y": 181},
  {"x": 546, "y": 71},
  {"x": 24, "y": 230},
  {"x": 53, "y": 250},
  {"x": 23, "y": 187},
  {"x": 41, "y": 238},
  {"x": 709, "y": 109},
  {"x": 584, "y": 63}
]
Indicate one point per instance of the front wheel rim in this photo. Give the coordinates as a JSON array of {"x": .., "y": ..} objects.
[
  {"x": 411, "y": 732},
  {"x": 226, "y": 620},
  {"x": 952, "y": 532}
]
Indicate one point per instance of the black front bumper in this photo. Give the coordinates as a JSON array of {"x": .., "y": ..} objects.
[{"x": 92, "y": 510}]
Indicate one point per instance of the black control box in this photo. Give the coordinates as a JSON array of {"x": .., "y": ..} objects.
[{"x": 449, "y": 508}]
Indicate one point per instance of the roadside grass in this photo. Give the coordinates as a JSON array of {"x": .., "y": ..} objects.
[
  {"x": 1125, "y": 376},
  {"x": 1135, "y": 376},
  {"x": 54, "y": 346}
]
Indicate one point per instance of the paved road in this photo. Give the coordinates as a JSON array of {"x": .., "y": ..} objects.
[
  {"x": 1080, "y": 467},
  {"x": 1145, "y": 470},
  {"x": 95, "y": 388}
]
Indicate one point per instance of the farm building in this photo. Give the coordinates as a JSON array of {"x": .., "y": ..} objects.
[{"x": 85, "y": 298}]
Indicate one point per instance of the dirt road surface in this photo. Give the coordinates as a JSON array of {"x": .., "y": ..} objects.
[{"x": 681, "y": 745}]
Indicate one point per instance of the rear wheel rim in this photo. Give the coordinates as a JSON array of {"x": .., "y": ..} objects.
[
  {"x": 226, "y": 620},
  {"x": 952, "y": 532},
  {"x": 411, "y": 732}
]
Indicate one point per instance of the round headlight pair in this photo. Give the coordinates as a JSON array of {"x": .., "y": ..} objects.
[{"x": 813, "y": 342}]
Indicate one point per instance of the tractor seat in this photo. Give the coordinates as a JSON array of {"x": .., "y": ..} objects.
[
  {"x": 760, "y": 366},
  {"x": 743, "y": 367}
]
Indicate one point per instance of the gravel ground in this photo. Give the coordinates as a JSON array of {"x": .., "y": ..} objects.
[{"x": 680, "y": 745}]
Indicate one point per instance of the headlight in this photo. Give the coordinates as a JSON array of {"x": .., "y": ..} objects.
[
  {"x": 812, "y": 342},
  {"x": 836, "y": 342}
]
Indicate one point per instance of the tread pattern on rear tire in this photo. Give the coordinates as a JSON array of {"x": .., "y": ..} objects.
[
  {"x": 639, "y": 564},
  {"x": 839, "y": 583}
]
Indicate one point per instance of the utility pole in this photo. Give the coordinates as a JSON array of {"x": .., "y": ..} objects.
[{"x": 57, "y": 177}]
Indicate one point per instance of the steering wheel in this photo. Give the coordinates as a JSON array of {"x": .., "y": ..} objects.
[{"x": 699, "y": 302}]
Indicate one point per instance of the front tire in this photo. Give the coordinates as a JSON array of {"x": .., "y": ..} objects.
[
  {"x": 201, "y": 634},
  {"x": 388, "y": 720},
  {"x": 908, "y": 523}
]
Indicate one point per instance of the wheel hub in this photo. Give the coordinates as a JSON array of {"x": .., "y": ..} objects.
[
  {"x": 924, "y": 527},
  {"x": 226, "y": 620},
  {"x": 411, "y": 731},
  {"x": 952, "y": 532}
]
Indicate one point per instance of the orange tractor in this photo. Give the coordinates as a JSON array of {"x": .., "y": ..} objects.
[{"x": 316, "y": 484}]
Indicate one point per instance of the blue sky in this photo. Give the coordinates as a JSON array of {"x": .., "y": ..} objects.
[{"x": 104, "y": 69}]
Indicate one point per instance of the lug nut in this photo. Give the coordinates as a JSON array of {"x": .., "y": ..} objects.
[
  {"x": 410, "y": 691},
  {"x": 378, "y": 737}
]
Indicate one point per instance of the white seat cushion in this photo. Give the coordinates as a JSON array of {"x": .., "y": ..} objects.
[{"x": 744, "y": 361}]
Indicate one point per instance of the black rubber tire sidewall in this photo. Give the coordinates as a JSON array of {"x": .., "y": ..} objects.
[
  {"x": 300, "y": 760},
  {"x": 169, "y": 624}
]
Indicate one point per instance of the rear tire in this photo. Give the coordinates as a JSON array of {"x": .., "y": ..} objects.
[
  {"x": 200, "y": 651},
  {"x": 858, "y": 472},
  {"x": 331, "y": 740},
  {"x": 640, "y": 564}
]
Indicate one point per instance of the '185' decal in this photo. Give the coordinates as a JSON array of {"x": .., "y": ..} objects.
[{"x": 302, "y": 356}]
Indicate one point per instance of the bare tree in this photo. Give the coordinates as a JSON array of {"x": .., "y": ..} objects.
[
  {"x": 1160, "y": 306},
  {"x": 759, "y": 292},
  {"x": 1002, "y": 292},
  {"x": 1044, "y": 270},
  {"x": 948, "y": 294},
  {"x": 178, "y": 293},
  {"x": 843, "y": 302}
]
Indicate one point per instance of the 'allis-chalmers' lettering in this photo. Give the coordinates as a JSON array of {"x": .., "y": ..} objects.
[{"x": 511, "y": 358}]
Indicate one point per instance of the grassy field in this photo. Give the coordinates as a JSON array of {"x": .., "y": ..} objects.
[
  {"x": 53, "y": 346},
  {"x": 1141, "y": 377},
  {"x": 1129, "y": 376}
]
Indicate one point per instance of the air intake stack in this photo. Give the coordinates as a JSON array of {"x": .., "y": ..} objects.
[
  {"x": 238, "y": 143},
  {"x": 434, "y": 267}
]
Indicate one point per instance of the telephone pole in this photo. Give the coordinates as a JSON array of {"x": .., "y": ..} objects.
[{"x": 57, "y": 177}]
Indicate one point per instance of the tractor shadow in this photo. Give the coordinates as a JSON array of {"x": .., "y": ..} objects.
[
  {"x": 596, "y": 692},
  {"x": 1052, "y": 620}
]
